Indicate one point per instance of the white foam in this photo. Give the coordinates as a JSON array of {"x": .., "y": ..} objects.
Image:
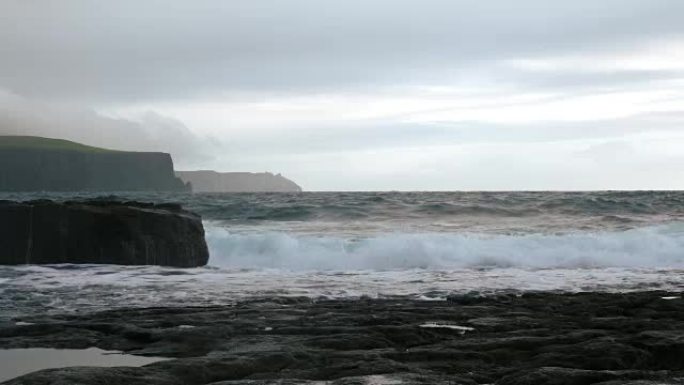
[
  {"x": 98, "y": 287},
  {"x": 434, "y": 325},
  {"x": 422, "y": 266},
  {"x": 652, "y": 247}
]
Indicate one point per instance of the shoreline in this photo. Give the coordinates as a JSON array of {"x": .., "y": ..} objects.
[{"x": 533, "y": 338}]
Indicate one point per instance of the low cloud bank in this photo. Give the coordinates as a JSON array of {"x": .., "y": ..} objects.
[{"x": 151, "y": 132}]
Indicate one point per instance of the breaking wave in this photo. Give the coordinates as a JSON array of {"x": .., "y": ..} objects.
[{"x": 649, "y": 247}]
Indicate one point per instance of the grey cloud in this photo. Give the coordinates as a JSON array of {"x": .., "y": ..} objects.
[
  {"x": 324, "y": 138},
  {"x": 585, "y": 82},
  {"x": 617, "y": 151},
  {"x": 128, "y": 50}
]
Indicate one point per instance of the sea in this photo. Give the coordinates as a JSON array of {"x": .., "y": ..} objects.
[{"x": 348, "y": 245}]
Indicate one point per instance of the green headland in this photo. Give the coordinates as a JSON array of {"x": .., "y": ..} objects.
[{"x": 40, "y": 143}]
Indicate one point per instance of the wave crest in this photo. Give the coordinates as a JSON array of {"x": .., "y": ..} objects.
[{"x": 651, "y": 247}]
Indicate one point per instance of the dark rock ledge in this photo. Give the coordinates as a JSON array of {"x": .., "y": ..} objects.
[
  {"x": 533, "y": 339},
  {"x": 124, "y": 233}
]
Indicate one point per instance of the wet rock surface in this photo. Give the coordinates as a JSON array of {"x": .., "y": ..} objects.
[
  {"x": 534, "y": 338},
  {"x": 99, "y": 231}
]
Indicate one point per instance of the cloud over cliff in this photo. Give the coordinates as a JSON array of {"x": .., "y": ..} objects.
[{"x": 151, "y": 132}]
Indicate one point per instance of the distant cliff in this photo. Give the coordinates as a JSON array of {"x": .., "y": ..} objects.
[
  {"x": 212, "y": 181},
  {"x": 41, "y": 164}
]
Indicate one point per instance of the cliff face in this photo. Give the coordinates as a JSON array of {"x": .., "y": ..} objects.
[
  {"x": 39, "y": 165},
  {"x": 212, "y": 181}
]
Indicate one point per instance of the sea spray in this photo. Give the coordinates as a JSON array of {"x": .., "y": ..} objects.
[
  {"x": 649, "y": 247},
  {"x": 423, "y": 245}
]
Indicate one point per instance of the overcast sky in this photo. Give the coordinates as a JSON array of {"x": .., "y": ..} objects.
[{"x": 362, "y": 94}]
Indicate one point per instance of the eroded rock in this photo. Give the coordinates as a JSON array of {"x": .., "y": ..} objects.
[{"x": 109, "y": 232}]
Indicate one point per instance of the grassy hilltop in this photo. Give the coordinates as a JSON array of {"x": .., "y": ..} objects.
[{"x": 39, "y": 143}]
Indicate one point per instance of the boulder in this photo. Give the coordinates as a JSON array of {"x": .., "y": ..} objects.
[{"x": 100, "y": 232}]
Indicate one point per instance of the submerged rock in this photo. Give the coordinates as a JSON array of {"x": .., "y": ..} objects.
[{"x": 101, "y": 232}]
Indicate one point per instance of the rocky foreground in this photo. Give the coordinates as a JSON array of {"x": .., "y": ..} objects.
[{"x": 535, "y": 338}]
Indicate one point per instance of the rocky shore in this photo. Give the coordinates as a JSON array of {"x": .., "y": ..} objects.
[{"x": 515, "y": 339}]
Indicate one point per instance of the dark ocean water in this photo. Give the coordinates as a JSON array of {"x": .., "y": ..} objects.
[
  {"x": 420, "y": 244},
  {"x": 528, "y": 210}
]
